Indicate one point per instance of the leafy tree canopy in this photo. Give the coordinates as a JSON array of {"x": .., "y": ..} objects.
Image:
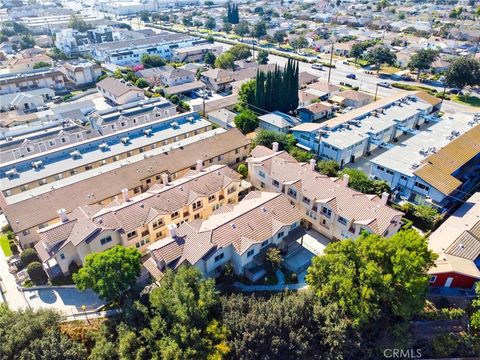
[
  {"x": 246, "y": 121},
  {"x": 150, "y": 61},
  {"x": 225, "y": 61},
  {"x": 463, "y": 71},
  {"x": 110, "y": 272}
]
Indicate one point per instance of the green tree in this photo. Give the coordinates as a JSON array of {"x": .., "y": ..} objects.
[
  {"x": 259, "y": 30},
  {"x": 36, "y": 273},
  {"x": 422, "y": 60},
  {"x": 328, "y": 167},
  {"x": 358, "y": 49},
  {"x": 246, "y": 94},
  {"x": 284, "y": 326},
  {"x": 210, "y": 23},
  {"x": 182, "y": 325},
  {"x": 240, "y": 52},
  {"x": 27, "y": 42},
  {"x": 151, "y": 61},
  {"x": 463, "y": 71},
  {"x": 210, "y": 59},
  {"x": 32, "y": 335},
  {"x": 109, "y": 273},
  {"x": 426, "y": 214},
  {"x": 41, "y": 64},
  {"x": 373, "y": 278},
  {"x": 242, "y": 170},
  {"x": 197, "y": 24},
  {"x": 273, "y": 259},
  {"x": 227, "y": 27},
  {"x": 145, "y": 16},
  {"x": 262, "y": 57},
  {"x": 379, "y": 55},
  {"x": 279, "y": 37},
  {"x": 268, "y": 137},
  {"x": 241, "y": 29},
  {"x": 475, "y": 317},
  {"x": 141, "y": 83},
  {"x": 28, "y": 256},
  {"x": 360, "y": 181},
  {"x": 246, "y": 121},
  {"x": 76, "y": 22},
  {"x": 299, "y": 154},
  {"x": 225, "y": 61},
  {"x": 299, "y": 43},
  {"x": 187, "y": 20}
]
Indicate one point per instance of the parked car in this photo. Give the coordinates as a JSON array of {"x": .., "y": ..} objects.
[
  {"x": 351, "y": 76},
  {"x": 384, "y": 84},
  {"x": 455, "y": 91},
  {"x": 57, "y": 99},
  {"x": 317, "y": 66}
]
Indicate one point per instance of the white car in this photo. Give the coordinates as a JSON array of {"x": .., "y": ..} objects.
[
  {"x": 317, "y": 66},
  {"x": 384, "y": 84}
]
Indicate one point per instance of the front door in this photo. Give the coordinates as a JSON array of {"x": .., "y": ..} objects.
[{"x": 448, "y": 282}]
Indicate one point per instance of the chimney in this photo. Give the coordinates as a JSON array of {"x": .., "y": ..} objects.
[
  {"x": 199, "y": 165},
  {"x": 62, "y": 214},
  {"x": 346, "y": 179},
  {"x": 385, "y": 197},
  {"x": 172, "y": 230},
  {"x": 313, "y": 163},
  {"x": 275, "y": 146},
  {"x": 125, "y": 195},
  {"x": 165, "y": 179}
]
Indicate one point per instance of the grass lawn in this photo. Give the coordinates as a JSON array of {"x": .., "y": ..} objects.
[
  {"x": 466, "y": 100},
  {"x": 5, "y": 245}
]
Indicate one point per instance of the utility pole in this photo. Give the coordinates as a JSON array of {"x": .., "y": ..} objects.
[
  {"x": 376, "y": 92},
  {"x": 331, "y": 59}
]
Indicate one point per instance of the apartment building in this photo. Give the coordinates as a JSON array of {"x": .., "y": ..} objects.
[
  {"x": 54, "y": 23},
  {"x": 166, "y": 76},
  {"x": 73, "y": 42},
  {"x": 82, "y": 73},
  {"x": 119, "y": 92},
  {"x": 59, "y": 163},
  {"x": 327, "y": 205},
  {"x": 436, "y": 167},
  {"x": 133, "y": 114},
  {"x": 139, "y": 220},
  {"x": 457, "y": 244},
  {"x": 238, "y": 234},
  {"x": 50, "y": 78},
  {"x": 196, "y": 53},
  {"x": 361, "y": 131},
  {"x": 36, "y": 208},
  {"x": 129, "y": 52}
]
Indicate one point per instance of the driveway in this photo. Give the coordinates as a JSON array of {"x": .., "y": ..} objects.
[
  {"x": 13, "y": 297},
  {"x": 65, "y": 299}
]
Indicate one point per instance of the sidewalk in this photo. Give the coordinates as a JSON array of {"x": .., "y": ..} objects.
[{"x": 13, "y": 296}]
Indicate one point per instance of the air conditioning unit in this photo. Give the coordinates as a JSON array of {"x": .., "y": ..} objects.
[
  {"x": 103, "y": 146},
  {"x": 75, "y": 154},
  {"x": 191, "y": 119},
  {"x": 174, "y": 125},
  {"x": 125, "y": 140},
  {"x": 11, "y": 172},
  {"x": 37, "y": 164},
  {"x": 147, "y": 132}
]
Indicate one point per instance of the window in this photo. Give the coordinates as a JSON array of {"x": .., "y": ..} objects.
[
  {"x": 159, "y": 235},
  {"x": 237, "y": 151},
  {"x": 261, "y": 174},
  {"x": 292, "y": 193},
  {"x": 326, "y": 211},
  {"x": 250, "y": 252},
  {"x": 220, "y": 158},
  {"x": 219, "y": 257},
  {"x": 175, "y": 215},
  {"x": 422, "y": 186},
  {"x": 280, "y": 235},
  {"x": 157, "y": 224},
  {"x": 88, "y": 167},
  {"x": 265, "y": 243},
  {"x": 275, "y": 183},
  {"x": 432, "y": 279},
  {"x": 216, "y": 207},
  {"x": 211, "y": 198},
  {"x": 390, "y": 172},
  {"x": 62, "y": 256},
  {"x": 197, "y": 205},
  {"x": 64, "y": 140},
  {"x": 106, "y": 240},
  {"x": 42, "y": 182},
  {"x": 293, "y": 226},
  {"x": 26, "y": 232},
  {"x": 403, "y": 177},
  {"x": 131, "y": 235},
  {"x": 262, "y": 185},
  {"x": 58, "y": 176},
  {"x": 311, "y": 214},
  {"x": 142, "y": 243},
  {"x": 306, "y": 200},
  {"x": 342, "y": 220},
  {"x": 197, "y": 216},
  {"x": 232, "y": 189}
]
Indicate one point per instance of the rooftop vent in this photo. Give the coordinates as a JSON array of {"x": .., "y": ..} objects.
[
  {"x": 147, "y": 132},
  {"x": 103, "y": 146},
  {"x": 11, "y": 172},
  {"x": 125, "y": 140},
  {"x": 37, "y": 164},
  {"x": 75, "y": 154}
]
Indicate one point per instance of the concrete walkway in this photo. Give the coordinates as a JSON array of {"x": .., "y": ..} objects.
[{"x": 13, "y": 296}]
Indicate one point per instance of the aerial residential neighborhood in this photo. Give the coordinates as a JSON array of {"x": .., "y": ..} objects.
[{"x": 232, "y": 179}]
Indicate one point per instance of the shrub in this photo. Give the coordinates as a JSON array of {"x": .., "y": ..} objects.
[
  {"x": 242, "y": 170},
  {"x": 36, "y": 273},
  {"x": 29, "y": 256}
]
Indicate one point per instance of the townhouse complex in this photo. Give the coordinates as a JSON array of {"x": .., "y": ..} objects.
[
  {"x": 326, "y": 204},
  {"x": 137, "y": 221}
]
